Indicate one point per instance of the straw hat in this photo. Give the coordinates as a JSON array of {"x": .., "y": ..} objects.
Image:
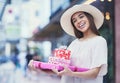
[{"x": 65, "y": 20}]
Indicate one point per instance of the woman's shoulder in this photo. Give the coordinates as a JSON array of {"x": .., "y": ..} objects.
[
  {"x": 96, "y": 39},
  {"x": 76, "y": 41},
  {"x": 100, "y": 40}
]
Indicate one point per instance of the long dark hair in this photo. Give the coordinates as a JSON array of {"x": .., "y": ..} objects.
[{"x": 92, "y": 26}]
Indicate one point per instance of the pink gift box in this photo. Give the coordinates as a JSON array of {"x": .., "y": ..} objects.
[
  {"x": 43, "y": 65},
  {"x": 62, "y": 53},
  {"x": 50, "y": 66}
]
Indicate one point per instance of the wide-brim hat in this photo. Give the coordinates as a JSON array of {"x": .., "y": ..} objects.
[{"x": 65, "y": 20}]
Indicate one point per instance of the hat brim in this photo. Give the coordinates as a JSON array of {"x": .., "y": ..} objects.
[{"x": 65, "y": 20}]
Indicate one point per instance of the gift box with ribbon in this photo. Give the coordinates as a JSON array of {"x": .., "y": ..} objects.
[
  {"x": 62, "y": 53},
  {"x": 60, "y": 57}
]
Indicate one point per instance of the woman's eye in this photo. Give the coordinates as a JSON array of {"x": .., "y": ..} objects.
[
  {"x": 78, "y": 17},
  {"x": 81, "y": 16},
  {"x": 74, "y": 21}
]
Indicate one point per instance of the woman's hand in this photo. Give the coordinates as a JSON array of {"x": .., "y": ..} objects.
[
  {"x": 31, "y": 65},
  {"x": 66, "y": 71}
]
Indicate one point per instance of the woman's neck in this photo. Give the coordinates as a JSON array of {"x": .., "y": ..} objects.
[{"x": 88, "y": 34}]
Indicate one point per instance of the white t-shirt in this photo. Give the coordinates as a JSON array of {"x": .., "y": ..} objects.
[{"x": 90, "y": 53}]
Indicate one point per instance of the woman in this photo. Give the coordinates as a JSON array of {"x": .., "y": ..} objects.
[{"x": 89, "y": 49}]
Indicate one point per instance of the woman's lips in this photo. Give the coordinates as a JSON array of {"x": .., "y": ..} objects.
[{"x": 82, "y": 25}]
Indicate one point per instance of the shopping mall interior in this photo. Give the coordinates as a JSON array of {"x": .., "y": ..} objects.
[{"x": 30, "y": 29}]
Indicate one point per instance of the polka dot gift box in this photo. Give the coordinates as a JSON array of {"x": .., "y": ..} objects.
[{"x": 60, "y": 57}]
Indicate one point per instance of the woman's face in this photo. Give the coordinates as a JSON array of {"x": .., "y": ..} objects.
[{"x": 80, "y": 21}]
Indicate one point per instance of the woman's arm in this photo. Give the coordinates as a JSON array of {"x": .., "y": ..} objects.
[{"x": 92, "y": 73}]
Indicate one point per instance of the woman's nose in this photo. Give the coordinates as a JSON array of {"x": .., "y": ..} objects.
[{"x": 78, "y": 21}]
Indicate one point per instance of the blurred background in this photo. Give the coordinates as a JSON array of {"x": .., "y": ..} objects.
[{"x": 30, "y": 29}]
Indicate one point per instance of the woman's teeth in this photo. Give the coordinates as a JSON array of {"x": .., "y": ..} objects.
[{"x": 82, "y": 25}]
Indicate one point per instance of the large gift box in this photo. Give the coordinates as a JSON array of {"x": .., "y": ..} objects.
[{"x": 49, "y": 66}]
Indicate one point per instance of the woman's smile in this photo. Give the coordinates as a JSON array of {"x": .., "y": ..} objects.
[{"x": 81, "y": 25}]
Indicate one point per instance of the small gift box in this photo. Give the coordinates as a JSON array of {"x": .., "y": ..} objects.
[{"x": 62, "y": 53}]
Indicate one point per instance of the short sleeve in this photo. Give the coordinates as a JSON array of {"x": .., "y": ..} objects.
[
  {"x": 99, "y": 57},
  {"x": 72, "y": 44}
]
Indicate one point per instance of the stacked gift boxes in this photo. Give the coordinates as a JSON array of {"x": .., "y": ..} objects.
[{"x": 60, "y": 57}]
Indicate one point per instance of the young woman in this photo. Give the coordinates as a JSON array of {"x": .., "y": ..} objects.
[{"x": 89, "y": 49}]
